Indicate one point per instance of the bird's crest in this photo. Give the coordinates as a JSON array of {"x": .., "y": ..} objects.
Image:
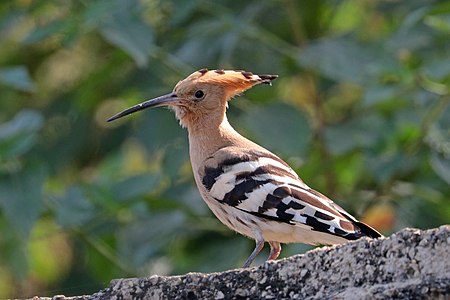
[{"x": 234, "y": 81}]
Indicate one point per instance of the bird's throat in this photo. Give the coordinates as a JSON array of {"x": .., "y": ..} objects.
[{"x": 208, "y": 139}]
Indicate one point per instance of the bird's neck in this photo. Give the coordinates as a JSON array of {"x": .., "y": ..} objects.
[{"x": 208, "y": 136}]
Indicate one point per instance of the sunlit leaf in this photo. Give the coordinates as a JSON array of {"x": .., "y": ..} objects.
[
  {"x": 50, "y": 253},
  {"x": 439, "y": 22}
]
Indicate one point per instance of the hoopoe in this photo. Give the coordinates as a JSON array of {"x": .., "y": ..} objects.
[{"x": 248, "y": 188}]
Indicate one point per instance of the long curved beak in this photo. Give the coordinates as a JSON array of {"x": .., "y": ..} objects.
[{"x": 166, "y": 100}]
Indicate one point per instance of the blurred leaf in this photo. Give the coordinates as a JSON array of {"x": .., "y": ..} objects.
[
  {"x": 413, "y": 18},
  {"x": 192, "y": 254},
  {"x": 411, "y": 34},
  {"x": 9, "y": 20},
  {"x": 185, "y": 9},
  {"x": 135, "y": 186},
  {"x": 50, "y": 254},
  {"x": 159, "y": 130},
  {"x": 125, "y": 29},
  {"x": 13, "y": 251},
  {"x": 421, "y": 212},
  {"x": 73, "y": 209},
  {"x": 379, "y": 93},
  {"x": 441, "y": 166},
  {"x": 340, "y": 59},
  {"x": 21, "y": 198},
  {"x": 439, "y": 22},
  {"x": 43, "y": 32},
  {"x": 438, "y": 139},
  {"x": 175, "y": 158},
  {"x": 144, "y": 238},
  {"x": 20, "y": 134},
  {"x": 213, "y": 33},
  {"x": 279, "y": 127},
  {"x": 355, "y": 133},
  {"x": 437, "y": 69},
  {"x": 385, "y": 166},
  {"x": 17, "y": 77}
]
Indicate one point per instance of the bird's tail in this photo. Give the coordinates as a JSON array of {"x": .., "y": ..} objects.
[
  {"x": 368, "y": 231},
  {"x": 364, "y": 231}
]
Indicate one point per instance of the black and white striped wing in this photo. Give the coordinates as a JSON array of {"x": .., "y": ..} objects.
[{"x": 261, "y": 184}]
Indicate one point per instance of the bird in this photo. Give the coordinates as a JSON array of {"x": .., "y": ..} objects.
[{"x": 248, "y": 188}]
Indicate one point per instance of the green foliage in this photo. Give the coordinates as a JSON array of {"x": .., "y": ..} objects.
[{"x": 361, "y": 111}]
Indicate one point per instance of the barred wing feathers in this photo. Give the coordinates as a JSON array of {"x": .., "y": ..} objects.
[{"x": 261, "y": 184}]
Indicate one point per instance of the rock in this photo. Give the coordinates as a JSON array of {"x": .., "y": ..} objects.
[{"x": 410, "y": 264}]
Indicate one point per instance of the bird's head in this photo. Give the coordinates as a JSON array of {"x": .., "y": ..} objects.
[{"x": 202, "y": 95}]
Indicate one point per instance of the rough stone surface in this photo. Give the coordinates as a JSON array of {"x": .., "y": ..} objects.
[{"x": 411, "y": 264}]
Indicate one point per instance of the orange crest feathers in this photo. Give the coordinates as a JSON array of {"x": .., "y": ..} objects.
[{"x": 234, "y": 81}]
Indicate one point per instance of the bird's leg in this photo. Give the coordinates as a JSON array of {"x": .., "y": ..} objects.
[
  {"x": 258, "y": 248},
  {"x": 275, "y": 249}
]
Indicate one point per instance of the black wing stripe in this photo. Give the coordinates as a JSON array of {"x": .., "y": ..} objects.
[
  {"x": 210, "y": 176},
  {"x": 212, "y": 173},
  {"x": 323, "y": 216},
  {"x": 266, "y": 169},
  {"x": 305, "y": 196},
  {"x": 264, "y": 216},
  {"x": 327, "y": 217},
  {"x": 238, "y": 193}
]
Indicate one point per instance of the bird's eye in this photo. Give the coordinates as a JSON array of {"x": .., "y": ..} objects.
[{"x": 199, "y": 94}]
